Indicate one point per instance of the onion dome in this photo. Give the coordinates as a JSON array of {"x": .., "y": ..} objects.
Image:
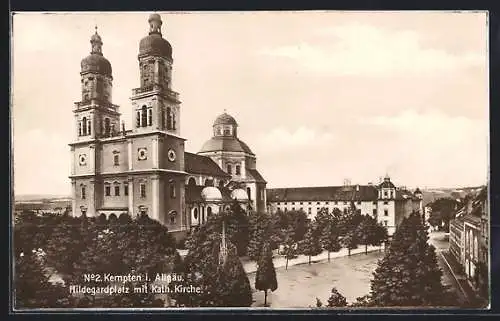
[
  {"x": 239, "y": 195},
  {"x": 225, "y": 119},
  {"x": 154, "y": 44},
  {"x": 211, "y": 193},
  {"x": 387, "y": 183},
  {"x": 95, "y": 62}
]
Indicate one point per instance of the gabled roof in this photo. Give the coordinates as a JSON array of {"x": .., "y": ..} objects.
[
  {"x": 198, "y": 164},
  {"x": 335, "y": 193}
]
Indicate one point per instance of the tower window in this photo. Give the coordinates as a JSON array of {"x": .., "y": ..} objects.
[
  {"x": 142, "y": 188},
  {"x": 138, "y": 119},
  {"x": 162, "y": 119},
  {"x": 229, "y": 169},
  {"x": 386, "y": 213},
  {"x": 84, "y": 123},
  {"x": 117, "y": 190},
  {"x": 80, "y": 133},
  {"x": 107, "y": 127},
  {"x": 89, "y": 128},
  {"x": 150, "y": 117},
  {"x": 84, "y": 194},
  {"x": 107, "y": 190},
  {"x": 144, "y": 116},
  {"x": 169, "y": 118},
  {"x": 116, "y": 159},
  {"x": 374, "y": 211},
  {"x": 249, "y": 194},
  {"x": 227, "y": 132},
  {"x": 173, "y": 121},
  {"x": 238, "y": 170},
  {"x": 385, "y": 193},
  {"x": 125, "y": 189},
  {"x": 172, "y": 190}
]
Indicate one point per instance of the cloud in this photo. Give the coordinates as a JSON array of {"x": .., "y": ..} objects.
[{"x": 357, "y": 49}]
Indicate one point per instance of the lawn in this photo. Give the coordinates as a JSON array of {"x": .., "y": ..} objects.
[{"x": 299, "y": 286}]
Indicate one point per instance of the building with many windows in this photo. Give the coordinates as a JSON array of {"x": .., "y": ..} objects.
[
  {"x": 385, "y": 202},
  {"x": 145, "y": 170}
]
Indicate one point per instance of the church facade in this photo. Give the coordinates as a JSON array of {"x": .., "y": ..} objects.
[{"x": 145, "y": 170}]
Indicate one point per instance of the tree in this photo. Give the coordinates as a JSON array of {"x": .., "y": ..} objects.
[
  {"x": 368, "y": 232},
  {"x": 237, "y": 227},
  {"x": 32, "y": 286},
  {"x": 259, "y": 231},
  {"x": 224, "y": 285},
  {"x": 310, "y": 245},
  {"x": 349, "y": 223},
  {"x": 336, "y": 299},
  {"x": 329, "y": 238},
  {"x": 265, "y": 278},
  {"x": 442, "y": 211},
  {"x": 290, "y": 246},
  {"x": 362, "y": 301},
  {"x": 408, "y": 275}
]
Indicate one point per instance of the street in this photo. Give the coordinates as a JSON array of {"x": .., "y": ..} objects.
[{"x": 441, "y": 243}]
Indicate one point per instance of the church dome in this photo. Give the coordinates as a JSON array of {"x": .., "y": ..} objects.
[
  {"x": 154, "y": 44},
  {"x": 211, "y": 193},
  {"x": 225, "y": 119},
  {"x": 95, "y": 62},
  {"x": 239, "y": 195},
  {"x": 225, "y": 143}
]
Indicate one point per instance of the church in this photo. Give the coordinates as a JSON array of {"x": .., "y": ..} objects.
[{"x": 145, "y": 170}]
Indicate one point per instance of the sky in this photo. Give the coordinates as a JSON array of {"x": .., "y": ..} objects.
[{"x": 319, "y": 96}]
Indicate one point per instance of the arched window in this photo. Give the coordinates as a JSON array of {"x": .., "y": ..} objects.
[
  {"x": 116, "y": 159},
  {"x": 138, "y": 119},
  {"x": 202, "y": 214},
  {"x": 208, "y": 182},
  {"x": 84, "y": 124},
  {"x": 162, "y": 119},
  {"x": 84, "y": 194},
  {"x": 173, "y": 121},
  {"x": 229, "y": 169},
  {"x": 89, "y": 127},
  {"x": 144, "y": 116},
  {"x": 238, "y": 170},
  {"x": 209, "y": 211},
  {"x": 169, "y": 118},
  {"x": 107, "y": 127},
  {"x": 80, "y": 128},
  {"x": 150, "y": 117},
  {"x": 195, "y": 213},
  {"x": 249, "y": 194},
  {"x": 191, "y": 182},
  {"x": 112, "y": 217}
]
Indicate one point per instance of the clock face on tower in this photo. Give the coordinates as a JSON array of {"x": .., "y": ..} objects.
[{"x": 171, "y": 155}]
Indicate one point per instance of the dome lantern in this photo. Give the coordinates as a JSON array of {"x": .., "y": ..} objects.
[
  {"x": 154, "y": 44},
  {"x": 95, "y": 62}
]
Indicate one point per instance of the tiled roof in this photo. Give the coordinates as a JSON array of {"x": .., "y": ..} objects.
[
  {"x": 340, "y": 193},
  {"x": 198, "y": 164},
  {"x": 255, "y": 175}
]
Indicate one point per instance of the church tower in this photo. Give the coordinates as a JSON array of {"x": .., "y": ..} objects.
[
  {"x": 156, "y": 157},
  {"x": 95, "y": 117}
]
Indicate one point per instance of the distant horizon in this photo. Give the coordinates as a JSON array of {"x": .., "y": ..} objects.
[
  {"x": 319, "y": 96},
  {"x": 421, "y": 188}
]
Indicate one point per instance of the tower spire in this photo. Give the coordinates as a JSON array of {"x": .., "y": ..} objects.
[{"x": 96, "y": 43}]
